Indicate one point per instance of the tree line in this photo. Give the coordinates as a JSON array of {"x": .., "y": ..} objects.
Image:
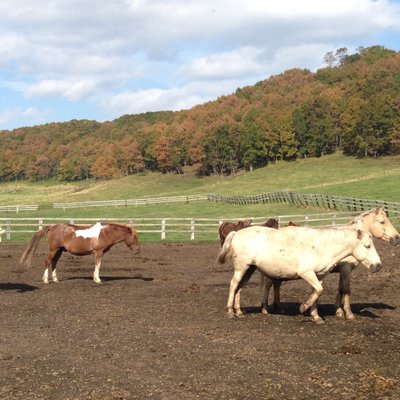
[{"x": 352, "y": 104}]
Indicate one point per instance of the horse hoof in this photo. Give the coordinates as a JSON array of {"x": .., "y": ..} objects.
[
  {"x": 318, "y": 320},
  {"x": 350, "y": 317},
  {"x": 264, "y": 311},
  {"x": 339, "y": 313},
  {"x": 239, "y": 314},
  {"x": 99, "y": 282}
]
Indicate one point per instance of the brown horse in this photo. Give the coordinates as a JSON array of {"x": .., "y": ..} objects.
[
  {"x": 81, "y": 241},
  {"x": 226, "y": 227},
  {"x": 291, "y": 223},
  {"x": 271, "y": 223}
]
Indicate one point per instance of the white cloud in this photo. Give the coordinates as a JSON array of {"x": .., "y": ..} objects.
[
  {"x": 234, "y": 64},
  {"x": 23, "y": 115},
  {"x": 72, "y": 91},
  {"x": 174, "y": 99}
]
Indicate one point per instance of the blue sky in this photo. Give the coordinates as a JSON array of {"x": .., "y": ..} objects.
[{"x": 100, "y": 59}]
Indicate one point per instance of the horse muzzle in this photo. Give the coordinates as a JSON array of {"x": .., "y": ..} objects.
[
  {"x": 375, "y": 267},
  {"x": 138, "y": 250},
  {"x": 395, "y": 240}
]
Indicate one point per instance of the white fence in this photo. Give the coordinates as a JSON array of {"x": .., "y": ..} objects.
[
  {"x": 130, "y": 202},
  {"x": 326, "y": 201},
  {"x": 168, "y": 228},
  {"x": 20, "y": 207}
]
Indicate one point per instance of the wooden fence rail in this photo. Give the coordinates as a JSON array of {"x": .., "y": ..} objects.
[
  {"x": 130, "y": 202},
  {"x": 19, "y": 207},
  {"x": 314, "y": 200},
  {"x": 172, "y": 228}
]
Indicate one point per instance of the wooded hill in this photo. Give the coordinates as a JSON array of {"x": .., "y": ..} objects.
[{"x": 352, "y": 105}]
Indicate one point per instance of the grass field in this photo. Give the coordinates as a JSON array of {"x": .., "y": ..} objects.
[{"x": 335, "y": 174}]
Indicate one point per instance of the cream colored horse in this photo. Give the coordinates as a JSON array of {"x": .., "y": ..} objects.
[
  {"x": 293, "y": 253},
  {"x": 375, "y": 222}
]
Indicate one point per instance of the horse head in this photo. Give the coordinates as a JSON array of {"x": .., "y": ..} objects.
[
  {"x": 365, "y": 251},
  {"x": 377, "y": 223},
  {"x": 132, "y": 239}
]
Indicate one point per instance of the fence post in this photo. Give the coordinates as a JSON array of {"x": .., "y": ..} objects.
[
  {"x": 192, "y": 229},
  {"x": 40, "y": 224},
  {"x": 306, "y": 220},
  {"x": 8, "y": 230},
  {"x": 163, "y": 233}
]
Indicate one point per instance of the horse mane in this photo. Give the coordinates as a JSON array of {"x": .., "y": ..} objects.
[
  {"x": 365, "y": 213},
  {"x": 124, "y": 226}
]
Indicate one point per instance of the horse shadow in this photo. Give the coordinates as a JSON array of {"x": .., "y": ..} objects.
[
  {"x": 291, "y": 309},
  {"x": 19, "y": 287},
  {"x": 111, "y": 278}
]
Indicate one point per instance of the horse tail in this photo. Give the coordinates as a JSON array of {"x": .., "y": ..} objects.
[
  {"x": 226, "y": 248},
  {"x": 29, "y": 252}
]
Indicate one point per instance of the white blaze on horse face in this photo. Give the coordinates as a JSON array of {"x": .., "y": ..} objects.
[{"x": 89, "y": 233}]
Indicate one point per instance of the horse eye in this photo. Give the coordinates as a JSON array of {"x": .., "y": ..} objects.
[
  {"x": 382, "y": 222},
  {"x": 368, "y": 246}
]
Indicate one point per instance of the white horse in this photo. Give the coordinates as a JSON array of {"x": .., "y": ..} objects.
[
  {"x": 293, "y": 253},
  {"x": 375, "y": 222}
]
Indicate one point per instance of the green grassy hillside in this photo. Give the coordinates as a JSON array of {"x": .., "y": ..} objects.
[
  {"x": 335, "y": 174},
  {"x": 376, "y": 178}
]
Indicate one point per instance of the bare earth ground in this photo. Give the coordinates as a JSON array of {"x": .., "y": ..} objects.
[{"x": 156, "y": 329}]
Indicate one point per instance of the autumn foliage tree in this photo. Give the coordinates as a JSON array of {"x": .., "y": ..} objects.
[{"x": 352, "y": 105}]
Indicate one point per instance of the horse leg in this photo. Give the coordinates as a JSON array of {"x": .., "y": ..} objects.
[
  {"x": 242, "y": 283},
  {"x": 343, "y": 296},
  {"x": 345, "y": 274},
  {"x": 47, "y": 262},
  {"x": 311, "y": 278},
  {"x": 314, "y": 313},
  {"x": 277, "y": 296},
  {"x": 238, "y": 274},
  {"x": 54, "y": 264},
  {"x": 266, "y": 284},
  {"x": 339, "y": 300},
  {"x": 96, "y": 274}
]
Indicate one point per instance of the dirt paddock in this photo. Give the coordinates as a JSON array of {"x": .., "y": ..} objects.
[{"x": 156, "y": 329}]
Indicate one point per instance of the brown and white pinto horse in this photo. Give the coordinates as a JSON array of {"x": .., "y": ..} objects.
[
  {"x": 81, "y": 241},
  {"x": 373, "y": 221},
  {"x": 227, "y": 227}
]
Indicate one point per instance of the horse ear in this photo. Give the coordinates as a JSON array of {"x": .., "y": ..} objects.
[
  {"x": 359, "y": 233},
  {"x": 377, "y": 210}
]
